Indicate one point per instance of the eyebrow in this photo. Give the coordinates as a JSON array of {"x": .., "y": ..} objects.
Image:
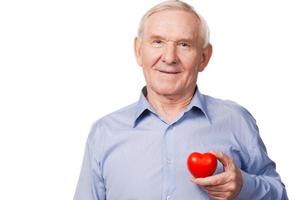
[{"x": 158, "y": 37}]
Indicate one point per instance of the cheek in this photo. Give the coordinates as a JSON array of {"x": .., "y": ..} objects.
[
  {"x": 150, "y": 57},
  {"x": 190, "y": 63}
]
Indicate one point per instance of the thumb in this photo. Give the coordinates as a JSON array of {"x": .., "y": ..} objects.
[{"x": 223, "y": 158}]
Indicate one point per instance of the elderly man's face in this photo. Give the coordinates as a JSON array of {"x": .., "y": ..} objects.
[{"x": 170, "y": 52}]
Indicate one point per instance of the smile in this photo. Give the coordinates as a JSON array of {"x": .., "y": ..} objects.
[{"x": 168, "y": 72}]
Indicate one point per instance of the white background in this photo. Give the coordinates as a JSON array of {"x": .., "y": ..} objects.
[{"x": 64, "y": 64}]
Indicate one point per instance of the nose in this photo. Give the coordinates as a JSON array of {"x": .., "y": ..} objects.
[{"x": 170, "y": 54}]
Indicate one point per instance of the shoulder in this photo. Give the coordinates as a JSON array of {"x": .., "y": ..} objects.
[
  {"x": 233, "y": 115},
  {"x": 118, "y": 119},
  {"x": 236, "y": 118},
  {"x": 122, "y": 115},
  {"x": 227, "y": 108}
]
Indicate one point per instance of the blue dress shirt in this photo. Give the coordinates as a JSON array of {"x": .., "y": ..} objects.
[{"x": 134, "y": 154}]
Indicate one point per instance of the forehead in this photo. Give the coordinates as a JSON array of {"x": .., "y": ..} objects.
[{"x": 172, "y": 24}]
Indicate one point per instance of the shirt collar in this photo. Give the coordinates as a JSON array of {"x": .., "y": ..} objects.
[
  {"x": 198, "y": 102},
  {"x": 142, "y": 106}
]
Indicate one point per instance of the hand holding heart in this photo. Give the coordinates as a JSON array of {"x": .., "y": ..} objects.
[{"x": 223, "y": 186}]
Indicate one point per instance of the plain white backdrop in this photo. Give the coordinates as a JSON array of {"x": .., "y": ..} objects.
[{"x": 64, "y": 64}]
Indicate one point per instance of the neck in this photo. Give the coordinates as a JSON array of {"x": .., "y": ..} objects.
[{"x": 169, "y": 106}]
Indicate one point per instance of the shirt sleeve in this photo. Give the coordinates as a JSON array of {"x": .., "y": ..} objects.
[
  {"x": 90, "y": 184},
  {"x": 260, "y": 179}
]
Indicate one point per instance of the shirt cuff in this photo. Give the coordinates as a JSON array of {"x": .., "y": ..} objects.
[{"x": 248, "y": 187}]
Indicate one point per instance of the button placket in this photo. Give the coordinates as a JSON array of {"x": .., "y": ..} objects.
[{"x": 169, "y": 160}]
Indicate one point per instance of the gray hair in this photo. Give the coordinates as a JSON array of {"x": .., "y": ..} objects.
[{"x": 177, "y": 5}]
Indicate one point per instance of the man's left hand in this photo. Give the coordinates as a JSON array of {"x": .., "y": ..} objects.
[{"x": 223, "y": 186}]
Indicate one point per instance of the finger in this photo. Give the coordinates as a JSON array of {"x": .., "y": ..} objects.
[
  {"x": 229, "y": 189},
  {"x": 216, "y": 198},
  {"x": 218, "y": 188},
  {"x": 214, "y": 180},
  {"x": 215, "y": 195},
  {"x": 218, "y": 195},
  {"x": 224, "y": 159}
]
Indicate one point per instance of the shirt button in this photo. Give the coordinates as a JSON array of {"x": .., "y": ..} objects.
[
  {"x": 169, "y": 161},
  {"x": 168, "y": 198}
]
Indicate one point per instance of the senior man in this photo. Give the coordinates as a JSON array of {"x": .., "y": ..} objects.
[{"x": 139, "y": 152}]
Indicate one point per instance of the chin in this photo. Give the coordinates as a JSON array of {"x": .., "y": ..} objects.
[{"x": 166, "y": 90}]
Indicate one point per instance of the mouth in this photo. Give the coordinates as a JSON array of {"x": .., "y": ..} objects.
[{"x": 169, "y": 72}]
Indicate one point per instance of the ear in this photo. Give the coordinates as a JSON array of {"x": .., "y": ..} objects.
[
  {"x": 205, "y": 57},
  {"x": 137, "y": 48}
]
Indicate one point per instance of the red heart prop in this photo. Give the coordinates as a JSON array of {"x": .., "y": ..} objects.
[{"x": 201, "y": 165}]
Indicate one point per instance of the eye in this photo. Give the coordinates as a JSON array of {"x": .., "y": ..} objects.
[
  {"x": 157, "y": 43},
  {"x": 183, "y": 44}
]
